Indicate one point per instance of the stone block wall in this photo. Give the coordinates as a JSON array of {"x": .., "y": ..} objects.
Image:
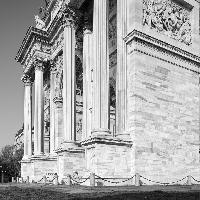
[
  {"x": 70, "y": 162},
  {"x": 109, "y": 161},
  {"x": 163, "y": 113}
]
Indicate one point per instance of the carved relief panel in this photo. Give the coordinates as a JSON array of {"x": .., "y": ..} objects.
[
  {"x": 169, "y": 18},
  {"x": 46, "y": 104},
  {"x": 59, "y": 76},
  {"x": 112, "y": 36}
]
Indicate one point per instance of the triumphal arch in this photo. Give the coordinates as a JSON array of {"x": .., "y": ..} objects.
[{"x": 112, "y": 87}]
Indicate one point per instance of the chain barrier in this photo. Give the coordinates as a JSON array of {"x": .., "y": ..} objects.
[
  {"x": 114, "y": 182},
  {"x": 195, "y": 179},
  {"x": 51, "y": 181},
  {"x": 40, "y": 180},
  {"x": 123, "y": 181},
  {"x": 77, "y": 182},
  {"x": 157, "y": 182}
]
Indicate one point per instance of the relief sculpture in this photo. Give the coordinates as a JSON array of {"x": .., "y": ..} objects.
[
  {"x": 169, "y": 18},
  {"x": 59, "y": 77}
]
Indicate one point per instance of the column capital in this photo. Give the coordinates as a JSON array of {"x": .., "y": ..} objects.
[
  {"x": 69, "y": 16},
  {"x": 27, "y": 80},
  {"x": 52, "y": 66},
  {"x": 87, "y": 24},
  {"x": 39, "y": 65}
]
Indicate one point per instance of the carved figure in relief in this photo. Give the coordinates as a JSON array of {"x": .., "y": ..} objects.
[
  {"x": 59, "y": 78},
  {"x": 167, "y": 17},
  {"x": 39, "y": 23}
]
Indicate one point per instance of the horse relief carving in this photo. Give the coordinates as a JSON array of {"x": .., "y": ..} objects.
[{"x": 169, "y": 18}]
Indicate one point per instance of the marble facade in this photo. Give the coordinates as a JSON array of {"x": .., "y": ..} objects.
[{"x": 116, "y": 87}]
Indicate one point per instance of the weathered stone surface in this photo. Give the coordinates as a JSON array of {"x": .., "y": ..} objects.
[{"x": 163, "y": 116}]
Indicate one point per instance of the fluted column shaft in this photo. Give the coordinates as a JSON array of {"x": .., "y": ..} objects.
[
  {"x": 39, "y": 111},
  {"x": 69, "y": 80},
  {"x": 27, "y": 117},
  {"x": 87, "y": 82},
  {"x": 101, "y": 66},
  {"x": 121, "y": 87}
]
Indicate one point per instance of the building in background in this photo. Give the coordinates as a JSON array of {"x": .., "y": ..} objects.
[{"x": 116, "y": 88}]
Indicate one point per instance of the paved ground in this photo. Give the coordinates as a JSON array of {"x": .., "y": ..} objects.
[{"x": 44, "y": 192}]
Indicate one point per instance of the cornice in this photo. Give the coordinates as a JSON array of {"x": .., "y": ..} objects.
[
  {"x": 45, "y": 37},
  {"x": 135, "y": 34},
  {"x": 32, "y": 33},
  {"x": 106, "y": 140}
]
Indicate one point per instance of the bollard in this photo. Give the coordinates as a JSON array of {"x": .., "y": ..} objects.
[
  {"x": 13, "y": 179},
  {"x": 92, "y": 179},
  {"x": 17, "y": 179},
  {"x": 22, "y": 180},
  {"x": 45, "y": 179},
  {"x": 189, "y": 180},
  {"x": 137, "y": 179},
  {"x": 27, "y": 179},
  {"x": 55, "y": 181},
  {"x": 69, "y": 182}
]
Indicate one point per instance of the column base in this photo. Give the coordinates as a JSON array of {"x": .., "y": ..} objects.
[
  {"x": 38, "y": 156},
  {"x": 67, "y": 146},
  {"x": 101, "y": 132},
  {"x": 26, "y": 159}
]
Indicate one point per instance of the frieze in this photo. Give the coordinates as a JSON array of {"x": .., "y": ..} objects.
[
  {"x": 140, "y": 46},
  {"x": 58, "y": 42},
  {"x": 167, "y": 17},
  {"x": 137, "y": 35},
  {"x": 56, "y": 9}
]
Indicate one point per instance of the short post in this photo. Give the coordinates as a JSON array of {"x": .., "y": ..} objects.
[
  {"x": 17, "y": 179},
  {"x": 69, "y": 182},
  {"x": 13, "y": 179},
  {"x": 189, "y": 180},
  {"x": 137, "y": 179},
  {"x": 27, "y": 179},
  {"x": 45, "y": 179},
  {"x": 2, "y": 177},
  {"x": 22, "y": 180},
  {"x": 55, "y": 181},
  {"x": 92, "y": 179}
]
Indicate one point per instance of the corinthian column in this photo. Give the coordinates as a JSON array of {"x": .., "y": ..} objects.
[
  {"x": 87, "y": 80},
  {"x": 27, "y": 116},
  {"x": 39, "y": 110},
  {"x": 101, "y": 67},
  {"x": 69, "y": 79}
]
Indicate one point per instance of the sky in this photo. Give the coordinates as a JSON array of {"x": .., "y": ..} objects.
[{"x": 15, "y": 18}]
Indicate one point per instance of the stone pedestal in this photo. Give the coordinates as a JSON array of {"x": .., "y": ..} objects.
[
  {"x": 37, "y": 167},
  {"x": 58, "y": 117},
  {"x": 71, "y": 158},
  {"x": 109, "y": 157}
]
